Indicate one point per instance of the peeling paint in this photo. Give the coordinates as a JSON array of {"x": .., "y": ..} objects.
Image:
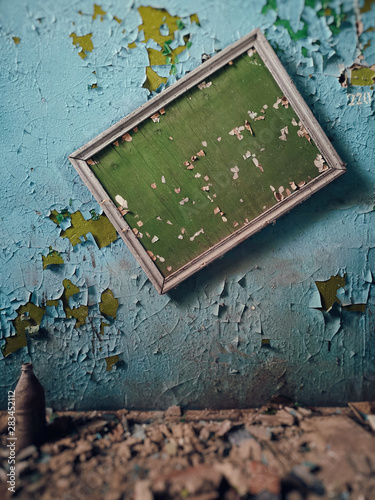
[
  {"x": 108, "y": 304},
  {"x": 328, "y": 290},
  {"x": 99, "y": 226},
  {"x": 84, "y": 42},
  {"x": 53, "y": 258},
  {"x": 111, "y": 362}
]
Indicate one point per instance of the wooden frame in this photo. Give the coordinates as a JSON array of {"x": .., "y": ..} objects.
[{"x": 253, "y": 40}]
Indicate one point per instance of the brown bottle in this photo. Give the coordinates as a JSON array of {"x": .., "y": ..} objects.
[{"x": 30, "y": 409}]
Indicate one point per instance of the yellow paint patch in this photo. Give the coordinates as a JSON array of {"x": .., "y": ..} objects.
[
  {"x": 328, "y": 290},
  {"x": 194, "y": 18},
  {"x": 355, "y": 307},
  {"x": 28, "y": 315},
  {"x": 364, "y": 77},
  {"x": 84, "y": 42},
  {"x": 366, "y": 6},
  {"x": 52, "y": 303},
  {"x": 108, "y": 304},
  {"x": 52, "y": 259},
  {"x": 101, "y": 229},
  {"x": 102, "y": 326},
  {"x": 69, "y": 291},
  {"x": 111, "y": 361},
  {"x": 117, "y": 19},
  {"x": 98, "y": 11},
  {"x": 80, "y": 314},
  {"x": 16, "y": 40},
  {"x": 153, "y": 80},
  {"x": 152, "y": 20}
]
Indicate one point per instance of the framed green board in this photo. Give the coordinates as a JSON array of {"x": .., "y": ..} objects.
[{"x": 223, "y": 152}]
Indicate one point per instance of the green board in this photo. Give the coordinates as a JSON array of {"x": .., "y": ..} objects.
[{"x": 256, "y": 152}]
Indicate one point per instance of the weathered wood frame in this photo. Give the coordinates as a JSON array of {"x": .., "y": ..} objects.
[{"x": 254, "y": 39}]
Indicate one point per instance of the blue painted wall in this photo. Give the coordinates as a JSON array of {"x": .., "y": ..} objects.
[{"x": 200, "y": 345}]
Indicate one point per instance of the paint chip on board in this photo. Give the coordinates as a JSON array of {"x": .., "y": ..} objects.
[{"x": 204, "y": 85}]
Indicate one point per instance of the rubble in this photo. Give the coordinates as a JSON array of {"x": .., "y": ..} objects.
[{"x": 279, "y": 451}]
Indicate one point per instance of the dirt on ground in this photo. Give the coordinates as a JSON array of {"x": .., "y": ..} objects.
[{"x": 280, "y": 451}]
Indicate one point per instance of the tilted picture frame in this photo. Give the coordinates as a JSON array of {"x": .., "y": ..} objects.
[{"x": 213, "y": 238}]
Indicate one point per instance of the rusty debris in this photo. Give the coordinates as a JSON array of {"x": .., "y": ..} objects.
[
  {"x": 285, "y": 102},
  {"x": 153, "y": 185},
  {"x": 155, "y": 118},
  {"x": 92, "y": 162},
  {"x": 248, "y": 127},
  {"x": 162, "y": 111},
  {"x": 116, "y": 143},
  {"x": 135, "y": 129},
  {"x": 127, "y": 137},
  {"x": 201, "y": 153},
  {"x": 302, "y": 132},
  {"x": 279, "y": 451}
]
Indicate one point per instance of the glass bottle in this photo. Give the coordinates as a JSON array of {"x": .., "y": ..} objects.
[{"x": 30, "y": 409}]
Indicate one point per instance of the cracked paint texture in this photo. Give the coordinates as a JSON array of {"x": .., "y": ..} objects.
[{"x": 255, "y": 323}]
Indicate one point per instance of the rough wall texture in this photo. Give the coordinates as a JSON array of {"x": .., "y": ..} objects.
[{"x": 289, "y": 311}]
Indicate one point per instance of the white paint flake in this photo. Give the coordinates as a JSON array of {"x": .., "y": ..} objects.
[
  {"x": 204, "y": 144},
  {"x": 120, "y": 200},
  {"x": 276, "y": 105},
  {"x": 197, "y": 234},
  {"x": 284, "y": 132},
  {"x": 320, "y": 164},
  {"x": 204, "y": 85},
  {"x": 235, "y": 171},
  {"x": 184, "y": 200},
  {"x": 163, "y": 179},
  {"x": 257, "y": 164},
  {"x": 154, "y": 239}
]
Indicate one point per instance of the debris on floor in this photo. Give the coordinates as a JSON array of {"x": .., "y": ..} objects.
[{"x": 280, "y": 451}]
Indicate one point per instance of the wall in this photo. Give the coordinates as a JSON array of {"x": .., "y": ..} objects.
[{"x": 289, "y": 311}]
